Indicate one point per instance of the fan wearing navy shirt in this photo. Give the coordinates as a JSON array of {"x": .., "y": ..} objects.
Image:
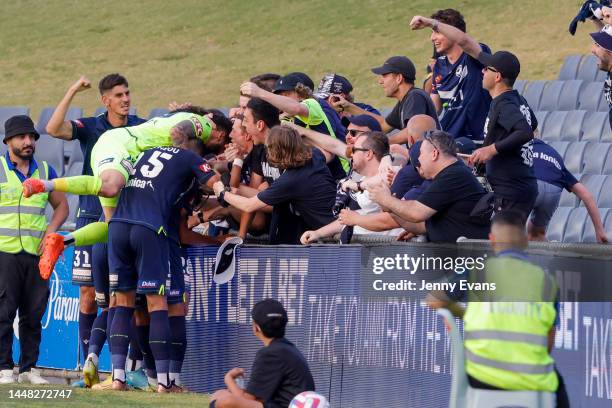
[
  {"x": 302, "y": 197},
  {"x": 602, "y": 49},
  {"x": 553, "y": 177},
  {"x": 116, "y": 98},
  {"x": 139, "y": 250},
  {"x": 507, "y": 151},
  {"x": 457, "y": 74}
]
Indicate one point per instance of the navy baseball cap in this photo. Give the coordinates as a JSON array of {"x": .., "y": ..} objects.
[
  {"x": 333, "y": 84},
  {"x": 603, "y": 39},
  {"x": 290, "y": 81},
  {"x": 465, "y": 145},
  {"x": 398, "y": 65},
  {"x": 414, "y": 153},
  {"x": 269, "y": 312},
  {"x": 505, "y": 62},
  {"x": 365, "y": 120}
]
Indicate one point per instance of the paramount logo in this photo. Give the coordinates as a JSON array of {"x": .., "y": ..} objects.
[{"x": 60, "y": 307}]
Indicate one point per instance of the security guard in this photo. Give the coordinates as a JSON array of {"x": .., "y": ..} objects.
[
  {"x": 22, "y": 228},
  {"x": 509, "y": 331}
]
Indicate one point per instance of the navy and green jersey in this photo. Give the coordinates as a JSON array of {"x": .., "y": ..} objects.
[
  {"x": 161, "y": 177},
  {"x": 465, "y": 103},
  {"x": 87, "y": 131}
]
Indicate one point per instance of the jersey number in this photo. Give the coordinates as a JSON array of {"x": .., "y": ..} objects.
[{"x": 156, "y": 165}]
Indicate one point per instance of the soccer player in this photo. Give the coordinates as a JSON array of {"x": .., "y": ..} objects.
[
  {"x": 111, "y": 162},
  {"x": 139, "y": 250}
]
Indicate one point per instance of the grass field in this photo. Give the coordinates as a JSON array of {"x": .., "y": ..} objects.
[
  {"x": 99, "y": 399},
  {"x": 201, "y": 50}
]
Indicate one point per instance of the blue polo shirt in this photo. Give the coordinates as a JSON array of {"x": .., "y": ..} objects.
[
  {"x": 33, "y": 167},
  {"x": 548, "y": 166},
  {"x": 87, "y": 131}
]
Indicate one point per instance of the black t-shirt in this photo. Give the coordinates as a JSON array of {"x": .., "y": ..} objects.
[
  {"x": 510, "y": 125},
  {"x": 258, "y": 159},
  {"x": 307, "y": 192},
  {"x": 415, "y": 102},
  {"x": 453, "y": 193},
  {"x": 279, "y": 373}
]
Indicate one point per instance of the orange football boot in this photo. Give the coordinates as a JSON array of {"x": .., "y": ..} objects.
[{"x": 53, "y": 248}]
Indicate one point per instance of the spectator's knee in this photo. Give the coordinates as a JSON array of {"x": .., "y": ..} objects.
[{"x": 88, "y": 300}]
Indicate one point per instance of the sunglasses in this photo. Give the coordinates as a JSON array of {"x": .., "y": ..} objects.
[
  {"x": 427, "y": 136},
  {"x": 355, "y": 132},
  {"x": 350, "y": 150},
  {"x": 492, "y": 69}
]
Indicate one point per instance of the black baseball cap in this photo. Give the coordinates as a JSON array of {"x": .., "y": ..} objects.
[
  {"x": 365, "y": 120},
  {"x": 333, "y": 84},
  {"x": 603, "y": 39},
  {"x": 19, "y": 125},
  {"x": 269, "y": 313},
  {"x": 290, "y": 81},
  {"x": 503, "y": 61},
  {"x": 398, "y": 65}
]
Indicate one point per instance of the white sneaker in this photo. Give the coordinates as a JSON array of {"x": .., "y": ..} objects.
[
  {"x": 31, "y": 377},
  {"x": 7, "y": 377}
]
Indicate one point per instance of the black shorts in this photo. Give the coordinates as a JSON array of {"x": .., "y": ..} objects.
[
  {"x": 100, "y": 274},
  {"x": 178, "y": 273}
]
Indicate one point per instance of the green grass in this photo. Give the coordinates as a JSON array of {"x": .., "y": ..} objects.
[
  {"x": 201, "y": 50},
  {"x": 98, "y": 399}
]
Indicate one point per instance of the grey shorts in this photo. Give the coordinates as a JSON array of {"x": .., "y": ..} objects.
[{"x": 546, "y": 204}]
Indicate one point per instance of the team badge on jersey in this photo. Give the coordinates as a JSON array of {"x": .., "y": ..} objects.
[
  {"x": 205, "y": 167},
  {"x": 197, "y": 125}
]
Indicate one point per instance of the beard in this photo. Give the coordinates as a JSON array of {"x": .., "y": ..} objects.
[{"x": 23, "y": 153}]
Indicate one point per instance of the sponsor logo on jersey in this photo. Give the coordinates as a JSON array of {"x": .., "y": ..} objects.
[
  {"x": 105, "y": 161},
  {"x": 138, "y": 183},
  {"x": 78, "y": 123},
  {"x": 205, "y": 167},
  {"x": 148, "y": 284}
]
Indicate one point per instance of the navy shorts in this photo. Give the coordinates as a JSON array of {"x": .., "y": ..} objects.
[
  {"x": 100, "y": 274},
  {"x": 179, "y": 275},
  {"x": 138, "y": 258},
  {"x": 81, "y": 263}
]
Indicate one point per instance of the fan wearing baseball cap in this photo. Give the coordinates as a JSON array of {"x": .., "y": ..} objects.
[
  {"x": 507, "y": 152},
  {"x": 602, "y": 49},
  {"x": 279, "y": 372}
]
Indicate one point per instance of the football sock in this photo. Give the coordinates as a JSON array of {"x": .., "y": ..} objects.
[
  {"x": 147, "y": 354},
  {"x": 78, "y": 185},
  {"x": 94, "y": 233},
  {"x": 134, "y": 360},
  {"x": 109, "y": 322},
  {"x": 120, "y": 340},
  {"x": 159, "y": 339},
  {"x": 86, "y": 321},
  {"x": 178, "y": 345},
  {"x": 98, "y": 333}
]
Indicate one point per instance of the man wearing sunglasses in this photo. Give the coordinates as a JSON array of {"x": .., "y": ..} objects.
[
  {"x": 602, "y": 49},
  {"x": 507, "y": 153}
]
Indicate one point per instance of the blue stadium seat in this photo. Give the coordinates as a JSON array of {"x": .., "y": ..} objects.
[
  {"x": 568, "y": 100},
  {"x": 606, "y": 132},
  {"x": 601, "y": 75},
  {"x": 102, "y": 109},
  {"x": 588, "y": 233},
  {"x": 608, "y": 224},
  {"x": 591, "y": 95},
  {"x": 519, "y": 85},
  {"x": 541, "y": 117},
  {"x": 574, "y": 156},
  {"x": 75, "y": 169},
  {"x": 569, "y": 69},
  {"x": 7, "y": 112},
  {"x": 575, "y": 225},
  {"x": 533, "y": 94},
  {"x": 595, "y": 158},
  {"x": 553, "y": 127},
  {"x": 2, "y": 149},
  {"x": 572, "y": 126},
  {"x": 587, "y": 71},
  {"x": 72, "y": 113},
  {"x": 75, "y": 152},
  {"x": 556, "y": 227},
  {"x": 593, "y": 126},
  {"x": 604, "y": 106},
  {"x": 158, "y": 112},
  {"x": 605, "y": 195},
  {"x": 51, "y": 150},
  {"x": 607, "y": 167},
  {"x": 594, "y": 183},
  {"x": 550, "y": 96}
]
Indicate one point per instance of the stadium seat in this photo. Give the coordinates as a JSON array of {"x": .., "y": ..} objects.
[
  {"x": 553, "y": 126},
  {"x": 519, "y": 85},
  {"x": 601, "y": 75},
  {"x": 604, "y": 106},
  {"x": 607, "y": 167},
  {"x": 72, "y": 113},
  {"x": 606, "y": 131},
  {"x": 556, "y": 227},
  {"x": 593, "y": 183},
  {"x": 7, "y": 112},
  {"x": 569, "y": 69},
  {"x": 52, "y": 151},
  {"x": 593, "y": 126},
  {"x": 587, "y": 71},
  {"x": 608, "y": 224},
  {"x": 157, "y": 112},
  {"x": 588, "y": 233},
  {"x": 575, "y": 225},
  {"x": 595, "y": 158},
  {"x": 560, "y": 147},
  {"x": 74, "y": 169},
  {"x": 533, "y": 94},
  {"x": 550, "y": 96},
  {"x": 541, "y": 117},
  {"x": 102, "y": 109},
  {"x": 2, "y": 149},
  {"x": 574, "y": 156},
  {"x": 591, "y": 95},
  {"x": 568, "y": 100},
  {"x": 572, "y": 126},
  {"x": 76, "y": 154},
  {"x": 605, "y": 195}
]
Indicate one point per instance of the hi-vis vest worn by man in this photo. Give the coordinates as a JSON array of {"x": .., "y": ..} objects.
[
  {"x": 22, "y": 220},
  {"x": 506, "y": 333}
]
